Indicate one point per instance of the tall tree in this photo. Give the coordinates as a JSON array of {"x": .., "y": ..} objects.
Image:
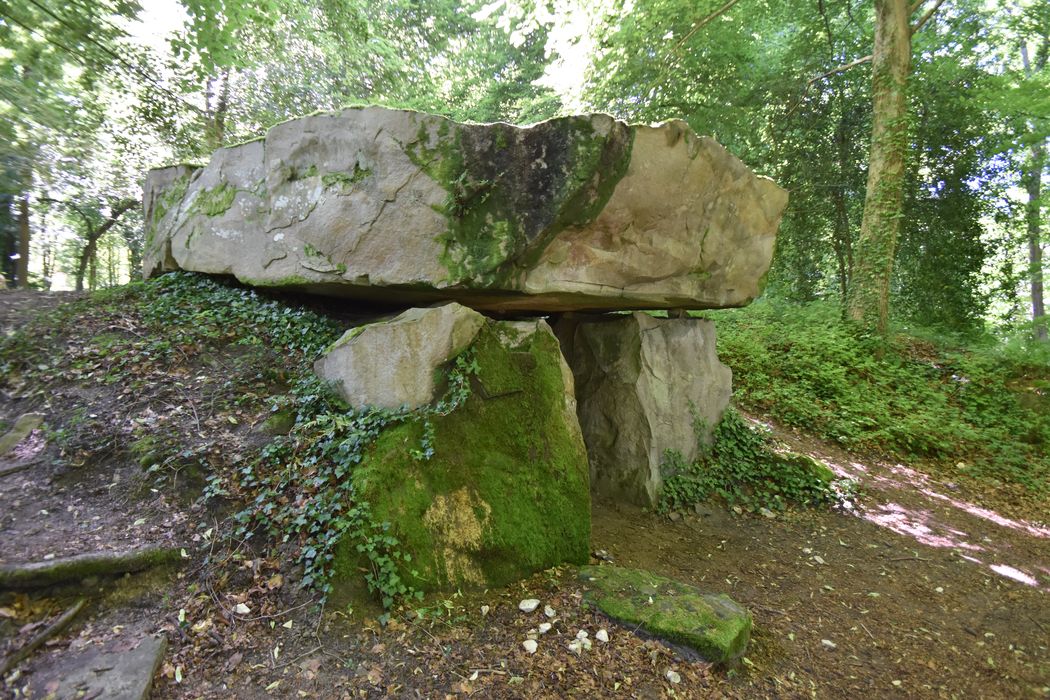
[
  {"x": 1032, "y": 180},
  {"x": 891, "y": 61}
]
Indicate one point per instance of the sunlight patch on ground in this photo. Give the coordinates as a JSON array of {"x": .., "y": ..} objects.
[{"x": 926, "y": 526}]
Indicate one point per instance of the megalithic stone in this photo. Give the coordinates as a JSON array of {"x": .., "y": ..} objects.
[
  {"x": 582, "y": 212},
  {"x": 644, "y": 385}
]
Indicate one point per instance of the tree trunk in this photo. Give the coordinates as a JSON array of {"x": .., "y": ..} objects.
[
  {"x": 1032, "y": 180},
  {"x": 873, "y": 268},
  {"x": 1033, "y": 223},
  {"x": 22, "y": 269},
  {"x": 88, "y": 254}
]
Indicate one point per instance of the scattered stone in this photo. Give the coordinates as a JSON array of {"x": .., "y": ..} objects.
[
  {"x": 460, "y": 514},
  {"x": 674, "y": 516},
  {"x": 484, "y": 610},
  {"x": 576, "y": 647},
  {"x": 544, "y": 627},
  {"x": 639, "y": 383},
  {"x": 549, "y": 612},
  {"x": 829, "y": 644},
  {"x": 528, "y": 605},
  {"x": 673, "y": 676},
  {"x": 121, "y": 669},
  {"x": 602, "y": 555},
  {"x": 392, "y": 363},
  {"x": 26, "y": 423},
  {"x": 714, "y": 625},
  {"x": 530, "y": 645},
  {"x": 602, "y": 636},
  {"x": 375, "y": 203},
  {"x": 767, "y": 513}
]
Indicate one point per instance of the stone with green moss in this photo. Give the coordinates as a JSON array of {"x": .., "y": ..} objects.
[
  {"x": 506, "y": 492},
  {"x": 714, "y": 625},
  {"x": 580, "y": 212}
]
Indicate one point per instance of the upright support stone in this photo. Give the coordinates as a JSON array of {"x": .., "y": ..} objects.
[
  {"x": 504, "y": 489},
  {"x": 643, "y": 386}
]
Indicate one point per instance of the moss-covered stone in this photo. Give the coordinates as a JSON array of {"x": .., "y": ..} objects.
[
  {"x": 506, "y": 492},
  {"x": 216, "y": 200},
  {"x": 714, "y": 625},
  {"x": 510, "y": 191},
  {"x": 345, "y": 181}
]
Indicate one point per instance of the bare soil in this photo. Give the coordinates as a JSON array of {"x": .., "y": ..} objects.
[{"x": 918, "y": 592}]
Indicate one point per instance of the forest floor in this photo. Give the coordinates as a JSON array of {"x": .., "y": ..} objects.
[{"x": 917, "y": 592}]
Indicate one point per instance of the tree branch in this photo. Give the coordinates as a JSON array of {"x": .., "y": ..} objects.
[
  {"x": 926, "y": 17},
  {"x": 704, "y": 22},
  {"x": 36, "y": 642}
]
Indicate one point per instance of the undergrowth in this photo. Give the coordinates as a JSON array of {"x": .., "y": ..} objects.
[
  {"x": 742, "y": 467},
  {"x": 981, "y": 409},
  {"x": 183, "y": 362},
  {"x": 301, "y": 488}
]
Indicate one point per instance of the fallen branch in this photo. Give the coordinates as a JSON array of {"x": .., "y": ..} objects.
[
  {"x": 41, "y": 574},
  {"x": 36, "y": 642}
]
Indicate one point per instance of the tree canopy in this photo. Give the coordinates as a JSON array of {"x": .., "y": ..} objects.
[{"x": 89, "y": 102}]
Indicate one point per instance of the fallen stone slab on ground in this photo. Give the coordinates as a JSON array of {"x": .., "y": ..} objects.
[
  {"x": 582, "y": 212},
  {"x": 121, "y": 669},
  {"x": 714, "y": 625}
]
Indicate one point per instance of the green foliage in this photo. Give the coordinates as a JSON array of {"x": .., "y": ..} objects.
[
  {"x": 978, "y": 404},
  {"x": 742, "y": 468},
  {"x": 301, "y": 488}
]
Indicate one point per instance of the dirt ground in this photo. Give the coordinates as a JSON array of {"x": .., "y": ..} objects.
[{"x": 917, "y": 592}]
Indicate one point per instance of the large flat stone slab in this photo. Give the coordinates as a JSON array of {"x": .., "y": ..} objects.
[
  {"x": 714, "y": 625},
  {"x": 121, "y": 669},
  {"x": 582, "y": 212}
]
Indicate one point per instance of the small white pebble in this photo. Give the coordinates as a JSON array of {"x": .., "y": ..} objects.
[
  {"x": 549, "y": 611},
  {"x": 673, "y": 676},
  {"x": 545, "y": 627},
  {"x": 530, "y": 645},
  {"x": 602, "y": 636},
  {"x": 528, "y": 605},
  {"x": 576, "y": 646},
  {"x": 829, "y": 644},
  {"x": 581, "y": 635},
  {"x": 484, "y": 610}
]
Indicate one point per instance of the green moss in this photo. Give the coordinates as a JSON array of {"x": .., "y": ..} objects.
[
  {"x": 216, "y": 200},
  {"x": 511, "y": 191},
  {"x": 169, "y": 198},
  {"x": 714, "y": 625},
  {"x": 506, "y": 492},
  {"x": 346, "y": 181}
]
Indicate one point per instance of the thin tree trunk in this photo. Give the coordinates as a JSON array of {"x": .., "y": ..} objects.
[
  {"x": 88, "y": 254},
  {"x": 22, "y": 269},
  {"x": 1032, "y": 179},
  {"x": 1033, "y": 224},
  {"x": 873, "y": 269}
]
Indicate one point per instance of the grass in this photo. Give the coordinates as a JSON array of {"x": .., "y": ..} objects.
[{"x": 979, "y": 408}]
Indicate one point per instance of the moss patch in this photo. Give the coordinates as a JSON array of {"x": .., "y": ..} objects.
[
  {"x": 216, "y": 200},
  {"x": 714, "y": 625},
  {"x": 345, "y": 181},
  {"x": 512, "y": 190},
  {"x": 506, "y": 492}
]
